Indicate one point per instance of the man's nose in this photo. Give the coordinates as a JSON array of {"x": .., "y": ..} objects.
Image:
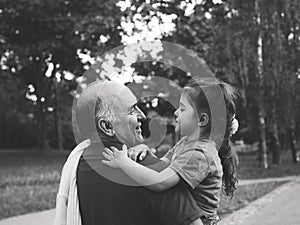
[
  {"x": 140, "y": 114},
  {"x": 176, "y": 113}
]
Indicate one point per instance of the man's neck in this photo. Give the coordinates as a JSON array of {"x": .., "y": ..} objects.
[{"x": 106, "y": 141}]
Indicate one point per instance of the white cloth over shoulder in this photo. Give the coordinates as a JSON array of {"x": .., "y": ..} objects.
[{"x": 67, "y": 202}]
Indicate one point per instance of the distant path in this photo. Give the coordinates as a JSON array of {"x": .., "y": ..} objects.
[{"x": 266, "y": 180}]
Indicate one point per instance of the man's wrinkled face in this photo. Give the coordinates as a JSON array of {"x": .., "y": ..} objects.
[{"x": 127, "y": 126}]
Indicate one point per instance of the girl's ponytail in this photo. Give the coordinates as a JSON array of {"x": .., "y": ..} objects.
[
  {"x": 228, "y": 157},
  {"x": 229, "y": 163}
]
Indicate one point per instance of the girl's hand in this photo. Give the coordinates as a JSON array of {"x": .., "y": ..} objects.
[
  {"x": 115, "y": 157},
  {"x": 138, "y": 152}
]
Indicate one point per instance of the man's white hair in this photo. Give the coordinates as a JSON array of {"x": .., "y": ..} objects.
[
  {"x": 105, "y": 110},
  {"x": 98, "y": 101}
]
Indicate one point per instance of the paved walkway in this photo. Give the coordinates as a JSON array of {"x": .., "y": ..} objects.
[
  {"x": 39, "y": 218},
  {"x": 279, "y": 207}
]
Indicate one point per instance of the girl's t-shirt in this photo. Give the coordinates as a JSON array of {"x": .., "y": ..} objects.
[{"x": 199, "y": 165}]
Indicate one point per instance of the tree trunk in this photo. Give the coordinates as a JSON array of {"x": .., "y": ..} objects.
[
  {"x": 275, "y": 144},
  {"x": 2, "y": 130},
  {"x": 261, "y": 107},
  {"x": 42, "y": 133},
  {"x": 275, "y": 80},
  {"x": 59, "y": 137},
  {"x": 293, "y": 145},
  {"x": 293, "y": 19}
]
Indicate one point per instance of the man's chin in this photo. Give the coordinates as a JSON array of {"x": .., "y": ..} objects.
[{"x": 139, "y": 138}]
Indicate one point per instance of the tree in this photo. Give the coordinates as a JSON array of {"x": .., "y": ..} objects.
[{"x": 43, "y": 39}]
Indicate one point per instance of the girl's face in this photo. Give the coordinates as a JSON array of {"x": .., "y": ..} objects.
[{"x": 186, "y": 118}]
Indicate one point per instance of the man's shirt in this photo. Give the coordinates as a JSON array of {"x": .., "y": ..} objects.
[{"x": 106, "y": 202}]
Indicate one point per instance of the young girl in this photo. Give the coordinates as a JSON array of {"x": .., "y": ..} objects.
[{"x": 195, "y": 159}]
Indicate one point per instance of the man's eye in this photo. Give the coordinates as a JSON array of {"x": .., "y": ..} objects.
[{"x": 132, "y": 110}]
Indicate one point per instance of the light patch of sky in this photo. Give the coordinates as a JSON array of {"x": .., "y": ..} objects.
[
  {"x": 233, "y": 12},
  {"x": 58, "y": 76},
  {"x": 291, "y": 36},
  {"x": 31, "y": 97},
  {"x": 154, "y": 102},
  {"x": 68, "y": 75},
  {"x": 189, "y": 6},
  {"x": 31, "y": 88},
  {"x": 138, "y": 78},
  {"x": 4, "y": 58},
  {"x": 103, "y": 39},
  {"x": 134, "y": 30},
  {"x": 85, "y": 57},
  {"x": 125, "y": 76},
  {"x": 147, "y": 28},
  {"x": 123, "y": 5},
  {"x": 49, "y": 70},
  {"x": 217, "y": 1},
  {"x": 80, "y": 79},
  {"x": 207, "y": 15},
  {"x": 3, "y": 61}
]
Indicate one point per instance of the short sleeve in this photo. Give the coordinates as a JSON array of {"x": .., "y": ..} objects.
[
  {"x": 192, "y": 166},
  {"x": 171, "y": 151},
  {"x": 168, "y": 156}
]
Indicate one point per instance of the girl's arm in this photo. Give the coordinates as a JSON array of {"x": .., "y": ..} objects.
[{"x": 155, "y": 181}]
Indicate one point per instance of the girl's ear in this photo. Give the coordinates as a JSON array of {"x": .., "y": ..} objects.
[
  {"x": 203, "y": 120},
  {"x": 106, "y": 127}
]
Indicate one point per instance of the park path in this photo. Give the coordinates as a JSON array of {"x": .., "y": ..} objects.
[
  {"x": 281, "y": 206},
  {"x": 266, "y": 180}
]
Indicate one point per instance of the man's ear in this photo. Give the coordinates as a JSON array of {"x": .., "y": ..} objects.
[
  {"x": 203, "y": 120},
  {"x": 106, "y": 127}
]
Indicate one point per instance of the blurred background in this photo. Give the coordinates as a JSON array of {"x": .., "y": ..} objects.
[{"x": 46, "y": 46}]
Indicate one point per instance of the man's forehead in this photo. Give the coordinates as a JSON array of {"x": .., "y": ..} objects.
[{"x": 117, "y": 94}]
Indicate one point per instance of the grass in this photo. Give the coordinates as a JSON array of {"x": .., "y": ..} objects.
[
  {"x": 29, "y": 181},
  {"x": 250, "y": 169}
]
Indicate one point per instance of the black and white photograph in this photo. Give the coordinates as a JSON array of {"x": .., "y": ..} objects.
[{"x": 149, "y": 112}]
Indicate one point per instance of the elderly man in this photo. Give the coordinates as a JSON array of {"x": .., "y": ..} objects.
[{"x": 108, "y": 196}]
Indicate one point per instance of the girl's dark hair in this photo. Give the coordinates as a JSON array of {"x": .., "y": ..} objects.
[{"x": 212, "y": 95}]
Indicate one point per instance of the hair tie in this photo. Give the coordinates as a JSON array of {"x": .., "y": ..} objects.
[{"x": 234, "y": 125}]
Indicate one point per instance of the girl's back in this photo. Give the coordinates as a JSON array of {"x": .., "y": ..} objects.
[{"x": 198, "y": 164}]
